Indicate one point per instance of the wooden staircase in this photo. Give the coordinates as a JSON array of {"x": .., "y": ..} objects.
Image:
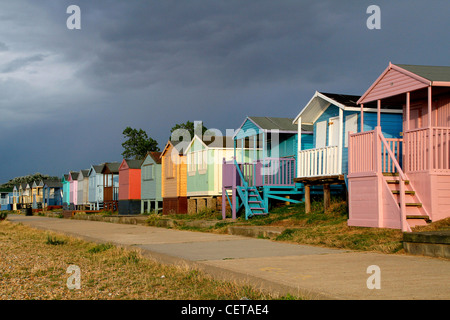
[
  {"x": 252, "y": 201},
  {"x": 415, "y": 213}
]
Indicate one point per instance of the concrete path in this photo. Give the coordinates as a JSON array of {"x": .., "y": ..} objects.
[{"x": 309, "y": 271}]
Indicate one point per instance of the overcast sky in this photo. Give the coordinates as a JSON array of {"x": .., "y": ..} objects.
[{"x": 67, "y": 95}]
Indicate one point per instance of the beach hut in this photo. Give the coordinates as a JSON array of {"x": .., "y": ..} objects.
[
  {"x": 151, "y": 198},
  {"x": 332, "y": 117},
  {"x": 52, "y": 193},
  {"x": 65, "y": 191},
  {"x": 95, "y": 196},
  {"x": 266, "y": 172},
  {"x": 36, "y": 193},
  {"x": 28, "y": 194},
  {"x": 205, "y": 158},
  {"x": 73, "y": 189},
  {"x": 130, "y": 187},
  {"x": 6, "y": 198},
  {"x": 22, "y": 194},
  {"x": 16, "y": 198},
  {"x": 110, "y": 174},
  {"x": 174, "y": 176},
  {"x": 83, "y": 189},
  {"x": 405, "y": 182}
]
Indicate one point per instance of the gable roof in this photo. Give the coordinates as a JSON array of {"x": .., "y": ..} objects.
[
  {"x": 283, "y": 125},
  {"x": 73, "y": 175},
  {"x": 273, "y": 123},
  {"x": 113, "y": 167},
  {"x": 401, "y": 78},
  {"x": 155, "y": 155},
  {"x": 52, "y": 183},
  {"x": 213, "y": 141},
  {"x": 320, "y": 101},
  {"x": 83, "y": 173},
  {"x": 177, "y": 145},
  {"x": 432, "y": 73},
  {"x": 132, "y": 164}
]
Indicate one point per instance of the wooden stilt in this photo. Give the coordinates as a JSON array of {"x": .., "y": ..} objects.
[
  {"x": 307, "y": 198},
  {"x": 326, "y": 197}
]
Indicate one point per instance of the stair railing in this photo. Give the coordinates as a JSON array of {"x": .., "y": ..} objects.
[{"x": 402, "y": 179}]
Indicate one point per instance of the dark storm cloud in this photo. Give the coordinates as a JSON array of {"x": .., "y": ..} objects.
[
  {"x": 3, "y": 47},
  {"x": 66, "y": 95},
  {"x": 20, "y": 63},
  {"x": 220, "y": 43}
]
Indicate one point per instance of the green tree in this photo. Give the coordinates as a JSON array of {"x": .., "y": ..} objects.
[
  {"x": 137, "y": 144},
  {"x": 28, "y": 179},
  {"x": 191, "y": 129}
]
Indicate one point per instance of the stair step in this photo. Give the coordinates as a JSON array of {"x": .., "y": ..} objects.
[
  {"x": 390, "y": 174},
  {"x": 256, "y": 208},
  {"x": 426, "y": 218},
  {"x": 396, "y": 181},
  {"x": 413, "y": 204},
  {"x": 406, "y": 192},
  {"x": 255, "y": 201}
]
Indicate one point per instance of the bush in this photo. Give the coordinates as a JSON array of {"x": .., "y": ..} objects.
[
  {"x": 3, "y": 215},
  {"x": 54, "y": 241}
]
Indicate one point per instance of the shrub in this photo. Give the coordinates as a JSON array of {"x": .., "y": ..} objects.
[
  {"x": 3, "y": 215},
  {"x": 54, "y": 241}
]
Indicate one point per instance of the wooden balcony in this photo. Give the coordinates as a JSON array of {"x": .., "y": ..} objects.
[
  {"x": 319, "y": 162},
  {"x": 267, "y": 172}
]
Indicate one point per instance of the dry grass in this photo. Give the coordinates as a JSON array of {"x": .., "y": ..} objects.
[{"x": 33, "y": 265}]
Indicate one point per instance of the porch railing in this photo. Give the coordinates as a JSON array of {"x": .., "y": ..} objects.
[
  {"x": 319, "y": 162},
  {"x": 371, "y": 153},
  {"x": 267, "y": 172},
  {"x": 418, "y": 142},
  {"x": 361, "y": 152}
]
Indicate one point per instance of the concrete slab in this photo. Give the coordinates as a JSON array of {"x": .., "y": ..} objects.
[{"x": 217, "y": 249}]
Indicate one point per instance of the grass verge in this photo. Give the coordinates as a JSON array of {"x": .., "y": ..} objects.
[
  {"x": 33, "y": 265},
  {"x": 327, "y": 229}
]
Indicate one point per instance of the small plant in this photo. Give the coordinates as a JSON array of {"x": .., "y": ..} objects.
[
  {"x": 131, "y": 257},
  {"x": 54, "y": 241},
  {"x": 3, "y": 215},
  {"x": 101, "y": 247}
]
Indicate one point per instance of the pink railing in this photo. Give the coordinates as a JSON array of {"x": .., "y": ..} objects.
[
  {"x": 418, "y": 144},
  {"x": 416, "y": 150},
  {"x": 370, "y": 152},
  {"x": 361, "y": 152},
  {"x": 387, "y": 162}
]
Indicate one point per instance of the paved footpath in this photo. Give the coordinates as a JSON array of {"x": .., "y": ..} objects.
[{"x": 309, "y": 271}]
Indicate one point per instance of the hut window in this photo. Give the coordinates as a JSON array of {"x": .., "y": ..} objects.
[
  {"x": 148, "y": 172},
  {"x": 191, "y": 162},
  {"x": 202, "y": 163}
]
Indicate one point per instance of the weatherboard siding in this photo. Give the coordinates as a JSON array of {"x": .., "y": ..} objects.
[
  {"x": 393, "y": 83},
  {"x": 151, "y": 189}
]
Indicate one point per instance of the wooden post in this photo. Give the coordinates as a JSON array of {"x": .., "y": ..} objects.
[
  {"x": 362, "y": 118},
  {"x": 326, "y": 197},
  {"x": 340, "y": 140},
  {"x": 307, "y": 198},
  {"x": 430, "y": 132},
  {"x": 379, "y": 113},
  {"x": 299, "y": 144}
]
